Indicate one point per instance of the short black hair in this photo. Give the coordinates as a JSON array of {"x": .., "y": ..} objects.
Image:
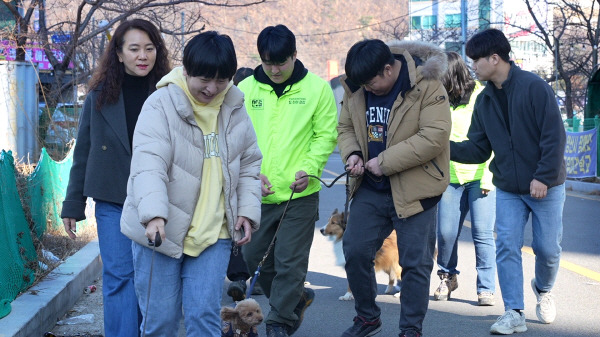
[
  {"x": 211, "y": 55},
  {"x": 366, "y": 59},
  {"x": 276, "y": 44},
  {"x": 486, "y": 43},
  {"x": 241, "y": 74}
]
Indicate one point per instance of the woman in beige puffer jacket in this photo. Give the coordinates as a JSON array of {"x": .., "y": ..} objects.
[{"x": 195, "y": 182}]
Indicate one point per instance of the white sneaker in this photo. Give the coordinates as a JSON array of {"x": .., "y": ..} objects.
[
  {"x": 545, "y": 308},
  {"x": 509, "y": 323}
]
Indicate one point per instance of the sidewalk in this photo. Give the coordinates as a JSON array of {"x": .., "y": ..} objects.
[
  {"x": 582, "y": 187},
  {"x": 36, "y": 311}
]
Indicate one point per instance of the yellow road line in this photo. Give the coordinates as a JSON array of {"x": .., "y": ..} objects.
[
  {"x": 583, "y": 196},
  {"x": 570, "y": 266},
  {"x": 335, "y": 174},
  {"x": 526, "y": 249}
]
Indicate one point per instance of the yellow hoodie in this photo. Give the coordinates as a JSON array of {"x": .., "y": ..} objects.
[{"x": 208, "y": 222}]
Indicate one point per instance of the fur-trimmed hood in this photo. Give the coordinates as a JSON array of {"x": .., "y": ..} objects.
[
  {"x": 423, "y": 60},
  {"x": 431, "y": 61}
]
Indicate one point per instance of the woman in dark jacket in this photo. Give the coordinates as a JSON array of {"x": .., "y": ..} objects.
[{"x": 134, "y": 61}]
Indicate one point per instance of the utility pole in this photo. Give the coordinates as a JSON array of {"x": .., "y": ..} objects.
[{"x": 463, "y": 28}]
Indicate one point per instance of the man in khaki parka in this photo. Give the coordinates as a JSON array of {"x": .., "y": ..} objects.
[{"x": 394, "y": 135}]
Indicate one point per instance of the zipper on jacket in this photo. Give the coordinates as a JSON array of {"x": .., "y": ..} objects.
[
  {"x": 510, "y": 142},
  {"x": 226, "y": 169}
]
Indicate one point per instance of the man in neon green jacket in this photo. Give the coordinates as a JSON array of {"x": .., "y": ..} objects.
[{"x": 295, "y": 117}]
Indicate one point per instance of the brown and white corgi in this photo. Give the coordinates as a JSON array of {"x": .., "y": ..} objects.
[{"x": 386, "y": 258}]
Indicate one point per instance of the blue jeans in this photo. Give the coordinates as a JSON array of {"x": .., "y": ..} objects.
[
  {"x": 456, "y": 202},
  {"x": 372, "y": 219},
  {"x": 122, "y": 316},
  {"x": 512, "y": 212},
  {"x": 192, "y": 283}
]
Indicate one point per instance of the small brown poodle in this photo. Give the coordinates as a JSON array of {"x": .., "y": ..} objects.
[{"x": 242, "y": 320}]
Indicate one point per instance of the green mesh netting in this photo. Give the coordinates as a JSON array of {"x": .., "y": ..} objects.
[
  {"x": 17, "y": 253},
  {"x": 46, "y": 187}
]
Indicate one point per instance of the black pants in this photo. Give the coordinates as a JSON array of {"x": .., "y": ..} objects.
[{"x": 372, "y": 219}]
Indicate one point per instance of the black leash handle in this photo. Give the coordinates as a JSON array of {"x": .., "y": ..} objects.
[
  {"x": 157, "y": 241},
  {"x": 260, "y": 264}
]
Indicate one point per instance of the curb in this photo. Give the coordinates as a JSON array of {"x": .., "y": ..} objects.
[
  {"x": 582, "y": 187},
  {"x": 36, "y": 311}
]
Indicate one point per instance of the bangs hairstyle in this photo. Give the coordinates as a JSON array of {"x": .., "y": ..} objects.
[
  {"x": 110, "y": 71},
  {"x": 487, "y": 43},
  {"x": 210, "y": 55},
  {"x": 276, "y": 43},
  {"x": 366, "y": 59},
  {"x": 457, "y": 80}
]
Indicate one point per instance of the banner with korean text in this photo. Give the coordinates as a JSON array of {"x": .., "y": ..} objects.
[{"x": 581, "y": 154}]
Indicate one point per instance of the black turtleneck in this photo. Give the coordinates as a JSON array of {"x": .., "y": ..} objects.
[
  {"x": 135, "y": 91},
  {"x": 297, "y": 75}
]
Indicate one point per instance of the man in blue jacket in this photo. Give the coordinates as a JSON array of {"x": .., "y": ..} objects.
[{"x": 516, "y": 117}]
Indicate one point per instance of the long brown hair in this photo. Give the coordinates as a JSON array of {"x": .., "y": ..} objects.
[
  {"x": 458, "y": 80},
  {"x": 109, "y": 74}
]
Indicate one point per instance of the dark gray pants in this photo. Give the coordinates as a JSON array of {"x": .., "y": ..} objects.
[
  {"x": 372, "y": 219},
  {"x": 283, "y": 274}
]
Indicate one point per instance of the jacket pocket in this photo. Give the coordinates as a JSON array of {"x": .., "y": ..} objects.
[{"x": 432, "y": 168}]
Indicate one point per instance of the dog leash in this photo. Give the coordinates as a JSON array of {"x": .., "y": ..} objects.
[
  {"x": 257, "y": 272},
  {"x": 154, "y": 244}
]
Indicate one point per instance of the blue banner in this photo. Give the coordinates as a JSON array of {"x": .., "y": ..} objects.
[{"x": 580, "y": 154}]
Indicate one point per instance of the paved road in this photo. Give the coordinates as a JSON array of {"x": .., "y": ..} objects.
[{"x": 577, "y": 290}]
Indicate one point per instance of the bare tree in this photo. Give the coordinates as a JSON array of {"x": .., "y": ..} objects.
[
  {"x": 573, "y": 38},
  {"x": 78, "y": 21}
]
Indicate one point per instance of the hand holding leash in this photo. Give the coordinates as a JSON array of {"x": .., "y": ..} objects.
[
  {"x": 156, "y": 243},
  {"x": 355, "y": 165},
  {"x": 152, "y": 227},
  {"x": 301, "y": 182}
]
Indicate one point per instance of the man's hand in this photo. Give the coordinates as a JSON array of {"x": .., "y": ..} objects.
[
  {"x": 156, "y": 225},
  {"x": 537, "y": 189},
  {"x": 70, "y": 227},
  {"x": 373, "y": 167},
  {"x": 301, "y": 182},
  {"x": 265, "y": 186},
  {"x": 355, "y": 165},
  {"x": 244, "y": 224}
]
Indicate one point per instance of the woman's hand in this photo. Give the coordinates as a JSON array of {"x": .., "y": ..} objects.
[
  {"x": 153, "y": 226},
  {"x": 243, "y": 224},
  {"x": 70, "y": 227}
]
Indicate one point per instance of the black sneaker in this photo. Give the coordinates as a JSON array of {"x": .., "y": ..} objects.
[
  {"x": 410, "y": 333},
  {"x": 237, "y": 290},
  {"x": 308, "y": 296},
  {"x": 363, "y": 328},
  {"x": 277, "y": 330}
]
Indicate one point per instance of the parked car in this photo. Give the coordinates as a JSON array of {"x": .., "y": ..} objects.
[{"x": 62, "y": 127}]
